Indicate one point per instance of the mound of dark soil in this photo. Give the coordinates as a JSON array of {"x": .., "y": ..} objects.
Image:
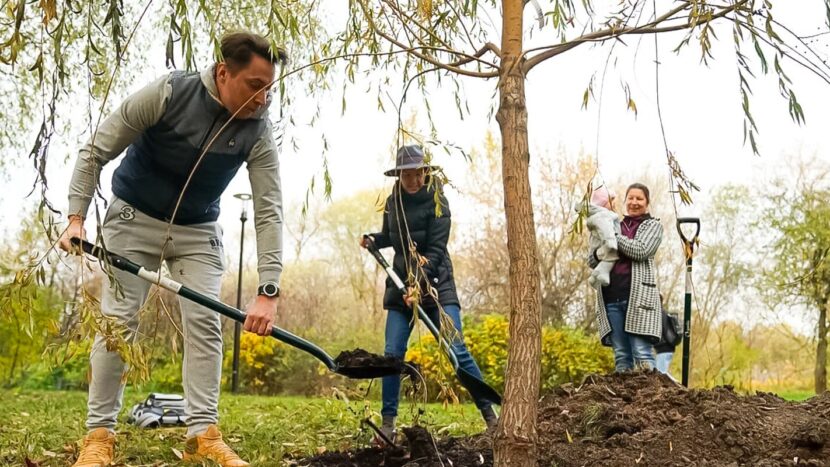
[
  {"x": 417, "y": 449},
  {"x": 646, "y": 418},
  {"x": 637, "y": 419}
]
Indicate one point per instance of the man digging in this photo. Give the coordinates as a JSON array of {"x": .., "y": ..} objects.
[{"x": 164, "y": 128}]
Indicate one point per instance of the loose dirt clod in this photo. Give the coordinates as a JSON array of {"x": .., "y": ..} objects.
[
  {"x": 359, "y": 363},
  {"x": 360, "y": 357},
  {"x": 640, "y": 418}
]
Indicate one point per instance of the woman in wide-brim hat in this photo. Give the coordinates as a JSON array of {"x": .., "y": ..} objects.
[{"x": 410, "y": 219}]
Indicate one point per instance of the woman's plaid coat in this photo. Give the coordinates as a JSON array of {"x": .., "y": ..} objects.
[{"x": 643, "y": 316}]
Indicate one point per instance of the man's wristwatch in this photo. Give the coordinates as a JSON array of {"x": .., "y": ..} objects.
[{"x": 269, "y": 289}]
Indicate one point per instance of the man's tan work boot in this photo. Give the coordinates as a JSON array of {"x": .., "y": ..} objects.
[
  {"x": 97, "y": 450},
  {"x": 209, "y": 445}
]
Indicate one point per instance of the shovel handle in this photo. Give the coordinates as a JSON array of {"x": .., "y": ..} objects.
[
  {"x": 476, "y": 386},
  {"x": 116, "y": 260},
  {"x": 154, "y": 277},
  {"x": 373, "y": 249},
  {"x": 688, "y": 220}
]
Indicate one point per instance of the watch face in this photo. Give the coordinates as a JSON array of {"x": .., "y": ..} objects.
[{"x": 270, "y": 290}]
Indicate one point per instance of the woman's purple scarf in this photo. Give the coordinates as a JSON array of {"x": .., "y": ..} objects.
[{"x": 628, "y": 227}]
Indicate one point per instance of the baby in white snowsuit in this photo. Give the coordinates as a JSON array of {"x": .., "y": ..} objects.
[{"x": 603, "y": 223}]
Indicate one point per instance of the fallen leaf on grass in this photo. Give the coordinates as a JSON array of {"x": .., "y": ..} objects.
[
  {"x": 31, "y": 463},
  {"x": 177, "y": 453},
  {"x": 451, "y": 426}
]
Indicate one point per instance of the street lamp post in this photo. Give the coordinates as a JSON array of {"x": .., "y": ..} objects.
[{"x": 237, "y": 328}]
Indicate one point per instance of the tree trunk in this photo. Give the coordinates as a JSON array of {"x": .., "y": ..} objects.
[
  {"x": 821, "y": 351},
  {"x": 516, "y": 438}
]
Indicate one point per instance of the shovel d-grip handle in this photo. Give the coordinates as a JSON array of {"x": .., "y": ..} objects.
[
  {"x": 165, "y": 282},
  {"x": 688, "y": 220},
  {"x": 373, "y": 249},
  {"x": 689, "y": 243}
]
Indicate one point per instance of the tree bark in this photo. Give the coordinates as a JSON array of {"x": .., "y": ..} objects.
[
  {"x": 516, "y": 438},
  {"x": 821, "y": 351}
]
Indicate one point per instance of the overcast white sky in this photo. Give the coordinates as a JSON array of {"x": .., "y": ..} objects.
[{"x": 700, "y": 106}]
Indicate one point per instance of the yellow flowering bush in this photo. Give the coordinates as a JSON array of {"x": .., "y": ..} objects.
[
  {"x": 567, "y": 355},
  {"x": 263, "y": 362}
]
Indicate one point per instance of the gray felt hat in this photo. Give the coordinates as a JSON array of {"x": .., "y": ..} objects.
[{"x": 409, "y": 157}]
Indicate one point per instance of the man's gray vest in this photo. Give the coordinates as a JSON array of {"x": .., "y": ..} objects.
[{"x": 153, "y": 173}]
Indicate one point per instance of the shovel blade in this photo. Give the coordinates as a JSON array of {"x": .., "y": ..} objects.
[
  {"x": 368, "y": 372},
  {"x": 478, "y": 388},
  {"x": 360, "y": 364}
]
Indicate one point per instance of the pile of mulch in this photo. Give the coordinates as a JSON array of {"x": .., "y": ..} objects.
[{"x": 639, "y": 418}]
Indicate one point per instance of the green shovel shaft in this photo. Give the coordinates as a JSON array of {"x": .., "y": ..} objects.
[
  {"x": 689, "y": 243},
  {"x": 687, "y": 323}
]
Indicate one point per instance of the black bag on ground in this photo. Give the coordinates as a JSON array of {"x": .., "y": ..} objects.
[
  {"x": 158, "y": 410},
  {"x": 672, "y": 333}
]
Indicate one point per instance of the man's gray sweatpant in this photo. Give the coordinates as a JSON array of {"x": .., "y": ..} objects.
[{"x": 195, "y": 258}]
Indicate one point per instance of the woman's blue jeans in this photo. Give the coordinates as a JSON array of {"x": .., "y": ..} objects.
[
  {"x": 630, "y": 350},
  {"x": 398, "y": 328},
  {"x": 663, "y": 361}
]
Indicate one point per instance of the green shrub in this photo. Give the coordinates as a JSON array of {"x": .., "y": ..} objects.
[
  {"x": 68, "y": 368},
  {"x": 268, "y": 366},
  {"x": 567, "y": 355}
]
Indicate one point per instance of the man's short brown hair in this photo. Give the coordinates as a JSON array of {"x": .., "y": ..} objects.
[{"x": 238, "y": 47}]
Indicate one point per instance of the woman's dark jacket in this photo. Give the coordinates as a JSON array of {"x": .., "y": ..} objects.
[{"x": 413, "y": 217}]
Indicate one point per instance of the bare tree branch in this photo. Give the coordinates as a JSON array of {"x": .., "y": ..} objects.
[
  {"x": 488, "y": 46},
  {"x": 611, "y": 33}
]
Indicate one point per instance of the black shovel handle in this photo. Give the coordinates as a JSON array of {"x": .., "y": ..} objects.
[
  {"x": 478, "y": 388},
  {"x": 126, "y": 265},
  {"x": 688, "y": 220}
]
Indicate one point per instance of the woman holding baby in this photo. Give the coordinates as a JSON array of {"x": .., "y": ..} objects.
[{"x": 628, "y": 307}]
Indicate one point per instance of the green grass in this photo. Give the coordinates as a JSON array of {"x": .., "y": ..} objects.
[
  {"x": 45, "y": 426},
  {"x": 795, "y": 394}
]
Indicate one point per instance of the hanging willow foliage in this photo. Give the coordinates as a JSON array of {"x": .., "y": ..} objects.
[{"x": 54, "y": 50}]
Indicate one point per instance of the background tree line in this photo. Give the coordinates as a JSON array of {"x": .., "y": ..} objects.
[{"x": 760, "y": 306}]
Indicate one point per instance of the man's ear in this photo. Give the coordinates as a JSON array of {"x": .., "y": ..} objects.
[{"x": 222, "y": 72}]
